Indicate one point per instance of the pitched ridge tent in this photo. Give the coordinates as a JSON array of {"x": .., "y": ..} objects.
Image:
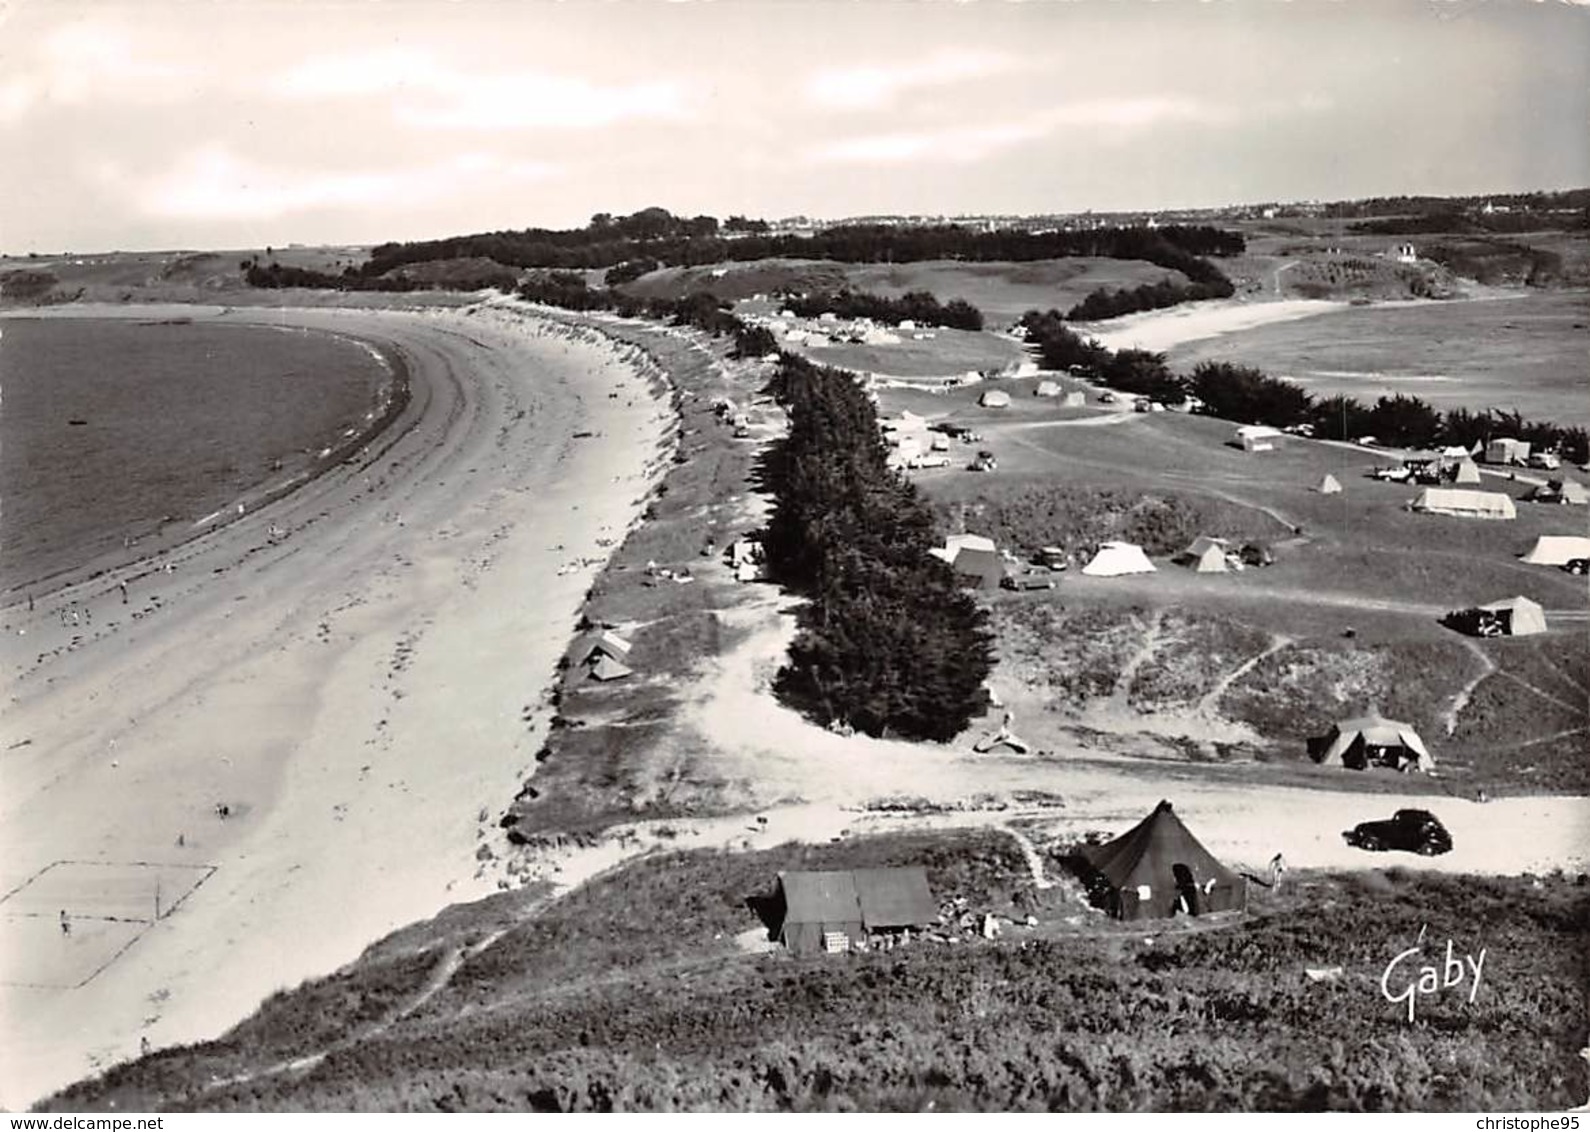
[
  {"x": 1373, "y": 741},
  {"x": 1158, "y": 868},
  {"x": 1465, "y": 504},
  {"x": 1466, "y": 471},
  {"x": 817, "y": 905},
  {"x": 597, "y": 644},
  {"x": 1205, "y": 555},
  {"x": 609, "y": 669},
  {"x": 1523, "y": 618},
  {"x": 1557, "y": 550},
  {"x": 1116, "y": 558},
  {"x": 981, "y": 569},
  {"x": 994, "y": 399},
  {"x": 1330, "y": 485}
]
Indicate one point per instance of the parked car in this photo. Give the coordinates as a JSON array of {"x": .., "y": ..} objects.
[
  {"x": 933, "y": 461},
  {"x": 1577, "y": 565},
  {"x": 1141, "y": 405},
  {"x": 1396, "y": 474},
  {"x": 1107, "y": 398},
  {"x": 1033, "y": 581},
  {"x": 1545, "y": 461},
  {"x": 1407, "y": 831}
]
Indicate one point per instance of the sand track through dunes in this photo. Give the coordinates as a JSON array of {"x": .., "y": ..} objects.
[{"x": 354, "y": 672}]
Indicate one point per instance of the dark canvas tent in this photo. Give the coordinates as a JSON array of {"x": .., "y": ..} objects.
[
  {"x": 1158, "y": 868},
  {"x": 980, "y": 569},
  {"x": 824, "y": 911}
]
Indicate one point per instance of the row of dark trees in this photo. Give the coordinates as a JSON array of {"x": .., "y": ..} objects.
[
  {"x": 701, "y": 309},
  {"x": 1249, "y": 396},
  {"x": 921, "y": 307},
  {"x": 888, "y": 643},
  {"x": 653, "y": 233},
  {"x": 1107, "y": 302}
]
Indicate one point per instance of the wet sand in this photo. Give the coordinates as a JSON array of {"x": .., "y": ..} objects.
[{"x": 355, "y": 672}]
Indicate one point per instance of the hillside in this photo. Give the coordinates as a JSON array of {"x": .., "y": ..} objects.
[{"x": 652, "y": 989}]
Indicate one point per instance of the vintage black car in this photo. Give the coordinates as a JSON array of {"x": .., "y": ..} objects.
[{"x": 1410, "y": 831}]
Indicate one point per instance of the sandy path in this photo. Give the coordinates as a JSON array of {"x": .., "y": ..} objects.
[{"x": 356, "y": 692}]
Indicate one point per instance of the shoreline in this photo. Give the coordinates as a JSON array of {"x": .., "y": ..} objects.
[
  {"x": 355, "y": 692},
  {"x": 386, "y": 407}
]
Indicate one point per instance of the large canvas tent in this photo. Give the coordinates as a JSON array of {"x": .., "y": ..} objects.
[
  {"x": 1557, "y": 550},
  {"x": 980, "y": 569},
  {"x": 823, "y": 911},
  {"x": 1158, "y": 868},
  {"x": 1116, "y": 558},
  {"x": 1372, "y": 741},
  {"x": 1519, "y": 616},
  {"x": 1465, "y": 504}
]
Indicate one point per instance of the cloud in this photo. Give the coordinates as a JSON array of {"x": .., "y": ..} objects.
[
  {"x": 431, "y": 95},
  {"x": 972, "y": 143},
  {"x": 875, "y": 86},
  {"x": 214, "y": 184},
  {"x": 88, "y": 61}
]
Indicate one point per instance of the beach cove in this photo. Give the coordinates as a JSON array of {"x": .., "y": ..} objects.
[{"x": 295, "y": 731}]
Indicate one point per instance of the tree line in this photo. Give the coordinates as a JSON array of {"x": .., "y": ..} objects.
[
  {"x": 920, "y": 307},
  {"x": 889, "y": 643},
  {"x": 1106, "y": 302},
  {"x": 654, "y": 233},
  {"x": 1247, "y": 395}
]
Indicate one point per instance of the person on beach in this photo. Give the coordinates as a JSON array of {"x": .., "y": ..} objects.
[
  {"x": 123, "y": 586},
  {"x": 66, "y": 923}
]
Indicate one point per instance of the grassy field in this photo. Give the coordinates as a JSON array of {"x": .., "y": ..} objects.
[
  {"x": 1002, "y": 291},
  {"x": 949, "y": 353},
  {"x": 1525, "y": 354},
  {"x": 632, "y": 994}
]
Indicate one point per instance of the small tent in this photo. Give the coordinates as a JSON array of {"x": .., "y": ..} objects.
[
  {"x": 1047, "y": 389},
  {"x": 1557, "y": 550},
  {"x": 831, "y": 911},
  {"x": 1158, "y": 868},
  {"x": 1466, "y": 471},
  {"x": 1330, "y": 485},
  {"x": 1076, "y": 399},
  {"x": 1519, "y": 616},
  {"x": 1464, "y": 504},
  {"x": 980, "y": 569},
  {"x": 1205, "y": 555},
  {"x": 607, "y": 669},
  {"x": 1372, "y": 741},
  {"x": 1116, "y": 558},
  {"x": 598, "y": 644},
  {"x": 994, "y": 399}
]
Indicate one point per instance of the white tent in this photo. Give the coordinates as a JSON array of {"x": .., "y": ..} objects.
[
  {"x": 1116, "y": 558},
  {"x": 956, "y": 543},
  {"x": 1205, "y": 555},
  {"x": 1330, "y": 485},
  {"x": 1524, "y": 617},
  {"x": 1075, "y": 399},
  {"x": 994, "y": 399},
  {"x": 1467, "y": 471},
  {"x": 1465, "y": 504},
  {"x": 1256, "y": 438},
  {"x": 1358, "y": 743},
  {"x": 1556, "y": 550},
  {"x": 1047, "y": 389}
]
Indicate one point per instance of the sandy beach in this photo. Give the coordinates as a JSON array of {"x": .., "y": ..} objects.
[
  {"x": 1160, "y": 330},
  {"x": 294, "y": 733}
]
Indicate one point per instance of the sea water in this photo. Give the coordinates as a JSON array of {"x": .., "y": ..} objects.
[{"x": 116, "y": 433}]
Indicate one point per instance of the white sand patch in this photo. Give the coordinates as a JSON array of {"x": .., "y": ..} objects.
[{"x": 1190, "y": 322}]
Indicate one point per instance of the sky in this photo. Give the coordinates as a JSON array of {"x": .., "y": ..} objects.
[{"x": 237, "y": 124}]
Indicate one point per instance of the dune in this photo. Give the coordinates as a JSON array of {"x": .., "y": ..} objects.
[{"x": 292, "y": 734}]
